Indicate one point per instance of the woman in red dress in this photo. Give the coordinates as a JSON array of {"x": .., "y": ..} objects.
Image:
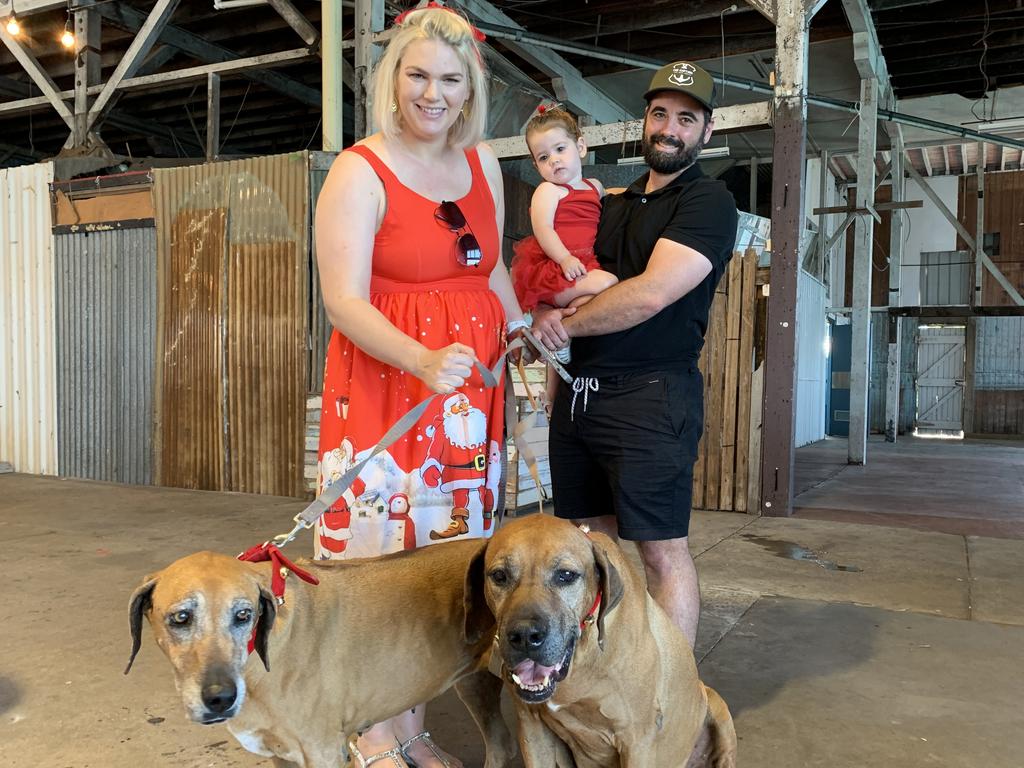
[{"x": 408, "y": 233}]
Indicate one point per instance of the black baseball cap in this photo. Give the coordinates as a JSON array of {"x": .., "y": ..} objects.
[{"x": 684, "y": 77}]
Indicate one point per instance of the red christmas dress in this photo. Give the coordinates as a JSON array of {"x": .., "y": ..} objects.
[{"x": 418, "y": 284}]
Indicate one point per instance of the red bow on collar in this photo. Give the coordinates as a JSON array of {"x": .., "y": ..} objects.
[
  {"x": 267, "y": 551},
  {"x": 281, "y": 565}
]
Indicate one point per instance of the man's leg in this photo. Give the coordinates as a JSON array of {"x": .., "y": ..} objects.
[
  {"x": 605, "y": 524},
  {"x": 672, "y": 582}
]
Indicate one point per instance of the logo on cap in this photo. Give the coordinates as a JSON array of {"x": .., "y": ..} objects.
[{"x": 682, "y": 74}]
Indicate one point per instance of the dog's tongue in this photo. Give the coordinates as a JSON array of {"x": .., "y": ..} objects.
[{"x": 532, "y": 673}]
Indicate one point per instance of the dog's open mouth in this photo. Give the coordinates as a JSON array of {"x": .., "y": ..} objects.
[{"x": 535, "y": 683}]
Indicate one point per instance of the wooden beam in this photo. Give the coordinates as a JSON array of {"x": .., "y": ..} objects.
[
  {"x": 694, "y": 10},
  {"x": 296, "y": 21},
  {"x": 766, "y": 8},
  {"x": 128, "y": 18},
  {"x": 926, "y": 161},
  {"x": 727, "y": 119},
  {"x": 889, "y": 206},
  {"x": 133, "y": 57},
  {"x": 51, "y": 95},
  {"x": 959, "y": 310},
  {"x": 578, "y": 93}
]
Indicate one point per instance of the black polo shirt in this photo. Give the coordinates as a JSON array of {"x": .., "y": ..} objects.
[{"x": 693, "y": 210}]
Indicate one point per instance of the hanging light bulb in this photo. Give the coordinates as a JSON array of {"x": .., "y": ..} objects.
[
  {"x": 67, "y": 39},
  {"x": 13, "y": 27}
]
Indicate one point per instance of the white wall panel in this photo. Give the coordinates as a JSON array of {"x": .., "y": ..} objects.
[
  {"x": 28, "y": 403},
  {"x": 811, "y": 361}
]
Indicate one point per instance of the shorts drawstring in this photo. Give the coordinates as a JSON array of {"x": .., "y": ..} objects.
[{"x": 584, "y": 385}]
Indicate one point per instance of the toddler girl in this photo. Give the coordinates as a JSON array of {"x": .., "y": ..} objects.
[{"x": 556, "y": 265}]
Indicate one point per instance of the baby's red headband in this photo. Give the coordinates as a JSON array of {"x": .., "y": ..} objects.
[{"x": 480, "y": 36}]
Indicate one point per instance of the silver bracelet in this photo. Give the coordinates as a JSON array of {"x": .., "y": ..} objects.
[{"x": 515, "y": 325}]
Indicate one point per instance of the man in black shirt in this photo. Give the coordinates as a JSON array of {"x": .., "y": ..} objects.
[{"x": 624, "y": 435}]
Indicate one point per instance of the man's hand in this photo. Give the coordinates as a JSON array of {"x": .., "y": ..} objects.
[{"x": 548, "y": 329}]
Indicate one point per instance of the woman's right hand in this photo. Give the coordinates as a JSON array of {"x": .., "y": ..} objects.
[{"x": 445, "y": 370}]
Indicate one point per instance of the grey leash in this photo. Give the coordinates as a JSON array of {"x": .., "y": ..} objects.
[{"x": 308, "y": 517}]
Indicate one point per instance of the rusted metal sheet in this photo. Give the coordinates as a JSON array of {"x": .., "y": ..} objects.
[
  {"x": 28, "y": 402},
  {"x": 232, "y": 362},
  {"x": 106, "y": 334},
  {"x": 320, "y": 330}
]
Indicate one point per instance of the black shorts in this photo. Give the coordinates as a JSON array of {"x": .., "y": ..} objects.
[{"x": 627, "y": 448}]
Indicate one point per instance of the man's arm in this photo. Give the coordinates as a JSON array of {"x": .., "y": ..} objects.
[{"x": 672, "y": 272}]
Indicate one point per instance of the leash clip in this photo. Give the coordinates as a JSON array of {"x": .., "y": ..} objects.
[{"x": 300, "y": 525}]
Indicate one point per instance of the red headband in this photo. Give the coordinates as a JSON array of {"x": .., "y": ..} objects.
[{"x": 480, "y": 36}]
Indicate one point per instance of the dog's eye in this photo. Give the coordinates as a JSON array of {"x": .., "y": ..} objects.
[
  {"x": 566, "y": 577},
  {"x": 181, "y": 618},
  {"x": 243, "y": 616},
  {"x": 499, "y": 576}
]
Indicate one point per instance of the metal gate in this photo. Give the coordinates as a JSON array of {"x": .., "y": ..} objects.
[{"x": 940, "y": 377}]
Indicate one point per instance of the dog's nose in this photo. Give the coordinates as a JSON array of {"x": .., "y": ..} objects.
[
  {"x": 219, "y": 697},
  {"x": 527, "y": 635}
]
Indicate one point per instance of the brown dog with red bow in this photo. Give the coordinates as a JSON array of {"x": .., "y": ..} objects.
[{"x": 323, "y": 671}]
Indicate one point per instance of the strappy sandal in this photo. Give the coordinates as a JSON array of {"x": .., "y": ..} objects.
[
  {"x": 392, "y": 754},
  {"x": 429, "y": 742}
]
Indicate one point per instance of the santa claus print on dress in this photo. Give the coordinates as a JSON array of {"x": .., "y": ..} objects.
[{"x": 456, "y": 462}]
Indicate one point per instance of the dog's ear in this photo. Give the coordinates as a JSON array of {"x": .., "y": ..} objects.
[
  {"x": 479, "y": 620},
  {"x": 137, "y": 607},
  {"x": 264, "y": 623},
  {"x": 612, "y": 588}
]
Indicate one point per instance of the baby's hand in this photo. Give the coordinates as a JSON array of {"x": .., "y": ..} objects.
[{"x": 573, "y": 268}]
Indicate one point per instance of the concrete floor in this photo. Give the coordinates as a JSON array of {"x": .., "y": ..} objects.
[{"x": 835, "y": 643}]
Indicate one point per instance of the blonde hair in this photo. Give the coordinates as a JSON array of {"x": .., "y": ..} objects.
[{"x": 448, "y": 27}]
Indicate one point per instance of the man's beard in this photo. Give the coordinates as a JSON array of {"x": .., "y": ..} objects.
[{"x": 669, "y": 162}]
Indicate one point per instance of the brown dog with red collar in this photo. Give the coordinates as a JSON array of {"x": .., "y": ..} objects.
[
  {"x": 597, "y": 669},
  {"x": 324, "y": 670}
]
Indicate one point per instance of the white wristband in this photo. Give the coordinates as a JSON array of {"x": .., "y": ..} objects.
[{"x": 515, "y": 325}]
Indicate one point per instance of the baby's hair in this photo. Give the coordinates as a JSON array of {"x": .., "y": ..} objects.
[{"x": 553, "y": 117}]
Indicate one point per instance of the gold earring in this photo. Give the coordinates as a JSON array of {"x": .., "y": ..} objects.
[
  {"x": 394, "y": 105},
  {"x": 465, "y": 109}
]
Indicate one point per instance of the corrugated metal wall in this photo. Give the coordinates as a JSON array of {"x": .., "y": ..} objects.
[
  {"x": 28, "y": 402},
  {"x": 879, "y": 362},
  {"x": 232, "y": 362},
  {"x": 812, "y": 363},
  {"x": 106, "y": 342},
  {"x": 999, "y": 376}
]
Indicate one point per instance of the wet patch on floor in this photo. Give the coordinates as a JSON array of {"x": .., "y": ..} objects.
[{"x": 791, "y": 551}]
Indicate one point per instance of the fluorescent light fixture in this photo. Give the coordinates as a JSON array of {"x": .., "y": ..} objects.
[
  {"x": 705, "y": 154},
  {"x": 1012, "y": 124}
]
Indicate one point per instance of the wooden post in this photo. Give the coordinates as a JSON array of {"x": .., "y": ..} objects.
[
  {"x": 369, "y": 21},
  {"x": 331, "y": 63},
  {"x": 892, "y": 367},
  {"x": 979, "y": 228},
  {"x": 860, "y": 374},
  {"x": 789, "y": 155},
  {"x": 212, "y": 116},
  {"x": 87, "y": 68}
]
